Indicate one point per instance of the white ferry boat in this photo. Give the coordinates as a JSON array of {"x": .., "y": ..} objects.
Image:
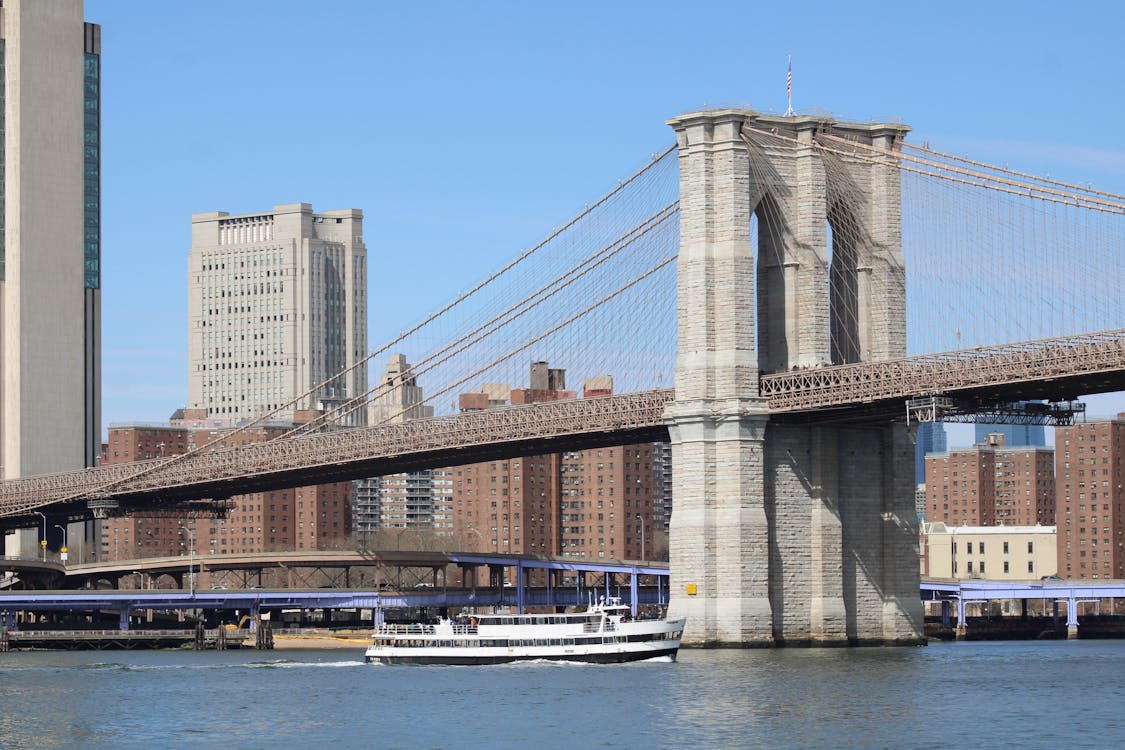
[{"x": 604, "y": 634}]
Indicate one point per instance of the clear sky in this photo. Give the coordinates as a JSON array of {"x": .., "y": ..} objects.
[{"x": 465, "y": 131}]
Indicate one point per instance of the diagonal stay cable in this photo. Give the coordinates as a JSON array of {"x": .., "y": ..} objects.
[
  {"x": 522, "y": 307},
  {"x": 171, "y": 460}
]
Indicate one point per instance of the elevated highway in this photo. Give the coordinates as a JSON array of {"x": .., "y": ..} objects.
[{"x": 387, "y": 567}]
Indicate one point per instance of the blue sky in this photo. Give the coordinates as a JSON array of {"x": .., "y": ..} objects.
[{"x": 465, "y": 131}]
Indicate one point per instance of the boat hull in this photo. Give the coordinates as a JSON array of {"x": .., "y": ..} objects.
[{"x": 482, "y": 659}]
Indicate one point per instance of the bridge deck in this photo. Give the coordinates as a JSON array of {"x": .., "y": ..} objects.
[{"x": 876, "y": 391}]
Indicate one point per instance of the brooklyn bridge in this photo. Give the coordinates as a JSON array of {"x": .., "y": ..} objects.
[{"x": 812, "y": 289}]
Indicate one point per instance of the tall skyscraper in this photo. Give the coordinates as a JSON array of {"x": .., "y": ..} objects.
[
  {"x": 930, "y": 438},
  {"x": 50, "y": 239},
  {"x": 277, "y": 306}
]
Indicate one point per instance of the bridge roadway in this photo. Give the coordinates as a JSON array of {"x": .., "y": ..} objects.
[
  {"x": 1061, "y": 368},
  {"x": 1051, "y": 369}
]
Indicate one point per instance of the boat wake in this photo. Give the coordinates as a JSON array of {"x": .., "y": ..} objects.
[
  {"x": 286, "y": 664},
  {"x": 265, "y": 664}
]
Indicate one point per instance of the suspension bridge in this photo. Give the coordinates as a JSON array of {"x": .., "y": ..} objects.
[{"x": 811, "y": 287}]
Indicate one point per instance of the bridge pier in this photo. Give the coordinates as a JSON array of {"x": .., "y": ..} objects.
[
  {"x": 786, "y": 533},
  {"x": 1071, "y": 618},
  {"x": 720, "y": 541}
]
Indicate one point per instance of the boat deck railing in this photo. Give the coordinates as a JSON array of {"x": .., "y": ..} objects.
[{"x": 412, "y": 629}]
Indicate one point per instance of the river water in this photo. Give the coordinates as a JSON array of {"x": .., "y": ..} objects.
[{"x": 1048, "y": 694}]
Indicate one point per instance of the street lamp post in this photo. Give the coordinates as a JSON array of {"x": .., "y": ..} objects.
[
  {"x": 191, "y": 558},
  {"x": 480, "y": 537},
  {"x": 62, "y": 550},
  {"x": 43, "y": 541},
  {"x": 642, "y": 535}
]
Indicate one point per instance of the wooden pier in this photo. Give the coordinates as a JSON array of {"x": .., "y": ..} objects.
[{"x": 198, "y": 638}]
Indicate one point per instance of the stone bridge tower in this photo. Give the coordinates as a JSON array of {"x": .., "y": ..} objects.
[{"x": 787, "y": 532}]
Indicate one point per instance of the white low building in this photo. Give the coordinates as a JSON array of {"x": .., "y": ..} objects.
[{"x": 997, "y": 553}]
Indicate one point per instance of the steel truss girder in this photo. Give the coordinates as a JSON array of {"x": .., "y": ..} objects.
[
  {"x": 944, "y": 409},
  {"x": 944, "y": 374},
  {"x": 330, "y": 450},
  {"x": 319, "y": 457}
]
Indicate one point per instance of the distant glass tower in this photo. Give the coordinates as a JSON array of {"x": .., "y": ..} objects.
[
  {"x": 931, "y": 438},
  {"x": 1015, "y": 435}
]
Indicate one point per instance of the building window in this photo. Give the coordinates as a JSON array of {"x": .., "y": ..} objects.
[
  {"x": 1005, "y": 566},
  {"x": 1030, "y": 566}
]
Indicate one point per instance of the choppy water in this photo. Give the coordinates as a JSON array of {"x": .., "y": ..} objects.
[{"x": 1028, "y": 695}]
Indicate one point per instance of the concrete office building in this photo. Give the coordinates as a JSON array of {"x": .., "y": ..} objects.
[
  {"x": 277, "y": 306},
  {"x": 50, "y": 242}
]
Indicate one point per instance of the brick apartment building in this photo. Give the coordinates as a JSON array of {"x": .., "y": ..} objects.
[
  {"x": 1091, "y": 520},
  {"x": 991, "y": 484},
  {"x": 302, "y": 518},
  {"x": 593, "y": 503}
]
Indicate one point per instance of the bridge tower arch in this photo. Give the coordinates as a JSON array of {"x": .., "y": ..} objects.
[{"x": 787, "y": 532}]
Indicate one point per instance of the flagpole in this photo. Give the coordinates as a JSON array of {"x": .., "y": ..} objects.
[{"x": 789, "y": 88}]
